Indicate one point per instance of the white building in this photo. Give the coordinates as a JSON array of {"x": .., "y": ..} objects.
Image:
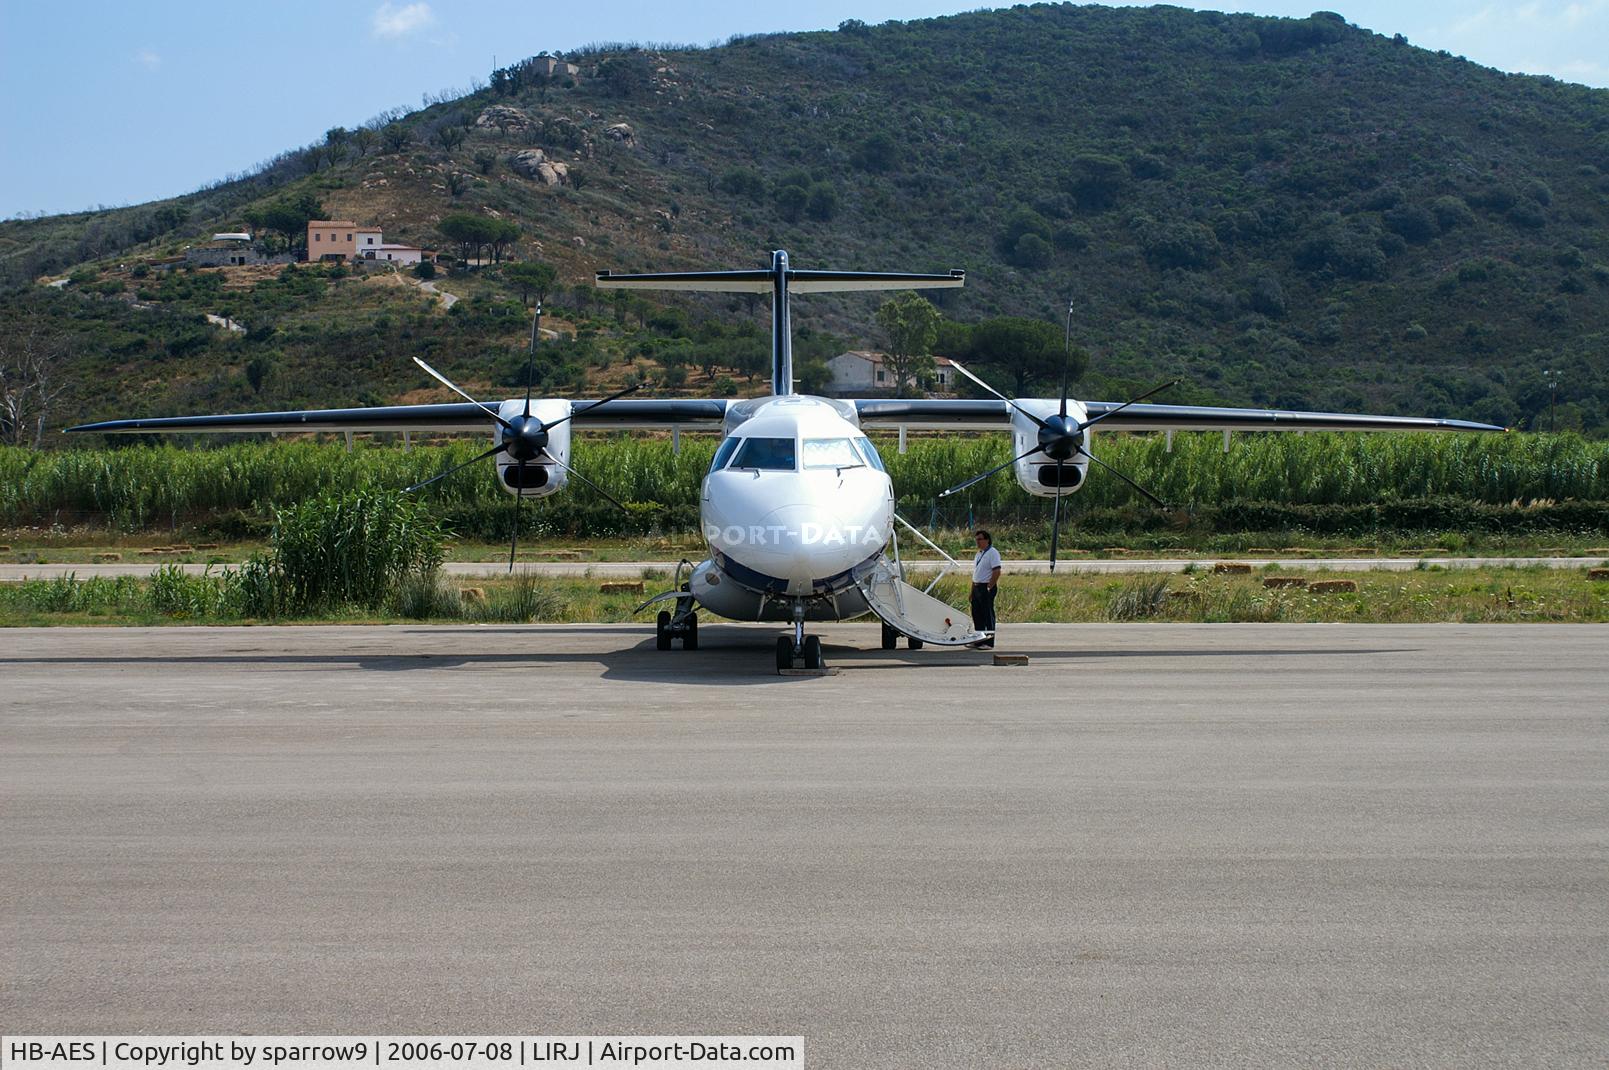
[
  {"x": 368, "y": 240},
  {"x": 401, "y": 254},
  {"x": 863, "y": 370}
]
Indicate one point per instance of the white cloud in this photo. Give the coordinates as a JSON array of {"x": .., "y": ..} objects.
[
  {"x": 394, "y": 22},
  {"x": 148, "y": 59},
  {"x": 1564, "y": 39}
]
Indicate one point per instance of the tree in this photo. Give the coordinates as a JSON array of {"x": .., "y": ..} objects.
[
  {"x": 258, "y": 369},
  {"x": 1028, "y": 350},
  {"x": 485, "y": 160},
  {"x": 1031, "y": 251},
  {"x": 626, "y": 75},
  {"x": 449, "y": 136},
  {"x": 532, "y": 277},
  {"x": 363, "y": 140},
  {"x": 474, "y": 233},
  {"x": 878, "y": 153},
  {"x": 336, "y": 139},
  {"x": 505, "y": 235},
  {"x": 742, "y": 181},
  {"x": 287, "y": 215},
  {"x": 1023, "y": 224},
  {"x": 823, "y": 201},
  {"x": 791, "y": 201},
  {"x": 31, "y": 355},
  {"x": 396, "y": 137},
  {"x": 911, "y": 323},
  {"x": 1097, "y": 180},
  {"x": 457, "y": 183}
]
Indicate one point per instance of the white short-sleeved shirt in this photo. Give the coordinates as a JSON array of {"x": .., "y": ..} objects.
[{"x": 984, "y": 564}]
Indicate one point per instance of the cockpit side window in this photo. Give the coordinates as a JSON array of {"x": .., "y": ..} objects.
[
  {"x": 724, "y": 453},
  {"x": 869, "y": 451},
  {"x": 767, "y": 454}
]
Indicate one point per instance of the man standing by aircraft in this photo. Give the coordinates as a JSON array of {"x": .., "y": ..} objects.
[{"x": 985, "y": 580}]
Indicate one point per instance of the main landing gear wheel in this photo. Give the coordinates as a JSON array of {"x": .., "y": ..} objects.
[
  {"x": 784, "y": 653},
  {"x": 662, "y": 630},
  {"x": 812, "y": 652},
  {"x": 890, "y": 638}
]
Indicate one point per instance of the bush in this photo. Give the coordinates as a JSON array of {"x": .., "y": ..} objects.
[
  {"x": 525, "y": 600},
  {"x": 426, "y": 596},
  {"x": 1451, "y": 212},
  {"x": 1413, "y": 222},
  {"x": 353, "y": 549},
  {"x": 744, "y": 182},
  {"x": 1139, "y": 600},
  {"x": 1031, "y": 251}
]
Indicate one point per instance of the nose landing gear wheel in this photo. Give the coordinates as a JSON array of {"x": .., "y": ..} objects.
[
  {"x": 812, "y": 652},
  {"x": 784, "y": 653},
  {"x": 662, "y": 630},
  {"x": 690, "y": 636},
  {"x": 913, "y": 642}
]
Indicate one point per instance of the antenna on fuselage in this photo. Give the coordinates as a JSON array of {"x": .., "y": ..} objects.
[{"x": 780, "y": 280}]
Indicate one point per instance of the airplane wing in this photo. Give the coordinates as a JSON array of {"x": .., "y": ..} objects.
[
  {"x": 624, "y": 414},
  {"x": 982, "y": 414}
]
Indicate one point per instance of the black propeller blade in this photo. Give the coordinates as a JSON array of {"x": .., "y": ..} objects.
[
  {"x": 1154, "y": 499},
  {"x": 1055, "y": 520},
  {"x": 601, "y": 492},
  {"x": 499, "y": 448},
  {"x": 959, "y": 487}
]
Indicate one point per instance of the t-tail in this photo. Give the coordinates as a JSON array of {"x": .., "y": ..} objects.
[{"x": 779, "y": 280}]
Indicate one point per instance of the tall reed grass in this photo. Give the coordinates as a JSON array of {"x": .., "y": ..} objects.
[{"x": 154, "y": 487}]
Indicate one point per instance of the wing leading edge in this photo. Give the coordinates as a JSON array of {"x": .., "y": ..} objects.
[
  {"x": 625, "y": 414},
  {"x": 980, "y": 414}
]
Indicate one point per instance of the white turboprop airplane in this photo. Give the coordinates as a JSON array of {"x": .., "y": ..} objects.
[{"x": 797, "y": 510}]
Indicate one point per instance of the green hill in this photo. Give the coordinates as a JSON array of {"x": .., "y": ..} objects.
[{"x": 1286, "y": 212}]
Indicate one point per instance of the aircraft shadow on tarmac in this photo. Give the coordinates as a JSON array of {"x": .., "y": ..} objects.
[{"x": 726, "y": 655}]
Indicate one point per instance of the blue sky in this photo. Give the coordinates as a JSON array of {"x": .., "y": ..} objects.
[{"x": 123, "y": 102}]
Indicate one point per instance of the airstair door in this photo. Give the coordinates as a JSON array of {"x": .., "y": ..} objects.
[{"x": 911, "y": 611}]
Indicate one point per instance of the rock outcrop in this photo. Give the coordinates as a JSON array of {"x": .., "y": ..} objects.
[
  {"x": 535, "y": 164},
  {"x": 504, "y": 118}
]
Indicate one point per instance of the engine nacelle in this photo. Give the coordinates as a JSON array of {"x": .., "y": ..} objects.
[
  {"x": 535, "y": 480},
  {"x": 1037, "y": 474}
]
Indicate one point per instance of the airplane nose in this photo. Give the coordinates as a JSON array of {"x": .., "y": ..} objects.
[
  {"x": 800, "y": 542},
  {"x": 775, "y": 545}
]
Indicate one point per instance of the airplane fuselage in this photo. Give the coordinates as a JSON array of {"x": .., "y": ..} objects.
[{"x": 796, "y": 506}]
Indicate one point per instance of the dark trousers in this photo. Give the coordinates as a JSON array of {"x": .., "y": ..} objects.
[{"x": 983, "y": 609}]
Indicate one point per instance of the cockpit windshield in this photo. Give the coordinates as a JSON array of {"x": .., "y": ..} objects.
[
  {"x": 830, "y": 453},
  {"x": 766, "y": 454}
]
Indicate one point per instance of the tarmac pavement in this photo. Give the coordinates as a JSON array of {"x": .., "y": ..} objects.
[{"x": 1217, "y": 845}]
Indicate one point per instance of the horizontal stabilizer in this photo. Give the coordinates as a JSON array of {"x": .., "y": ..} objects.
[
  {"x": 816, "y": 282},
  {"x": 739, "y": 282},
  {"x": 759, "y": 282}
]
